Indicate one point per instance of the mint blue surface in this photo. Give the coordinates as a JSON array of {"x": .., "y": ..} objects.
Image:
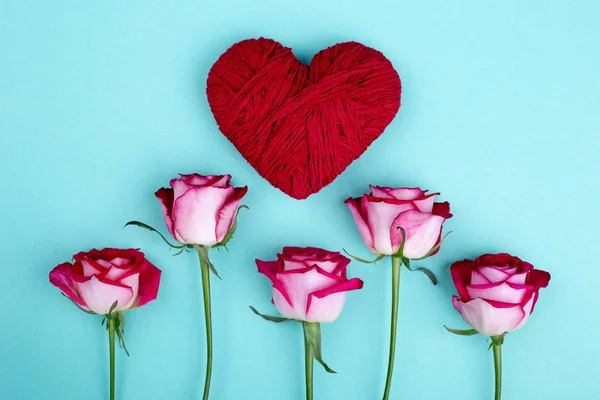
[{"x": 102, "y": 102}]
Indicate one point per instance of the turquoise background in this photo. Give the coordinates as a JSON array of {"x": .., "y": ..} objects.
[{"x": 102, "y": 102}]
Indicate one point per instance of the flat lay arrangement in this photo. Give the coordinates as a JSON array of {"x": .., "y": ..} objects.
[{"x": 300, "y": 126}]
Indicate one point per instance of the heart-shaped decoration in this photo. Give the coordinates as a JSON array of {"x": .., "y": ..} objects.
[{"x": 300, "y": 125}]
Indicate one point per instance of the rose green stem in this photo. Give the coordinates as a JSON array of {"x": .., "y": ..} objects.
[
  {"x": 497, "y": 369},
  {"x": 308, "y": 364},
  {"x": 396, "y": 264},
  {"x": 111, "y": 345},
  {"x": 208, "y": 322}
]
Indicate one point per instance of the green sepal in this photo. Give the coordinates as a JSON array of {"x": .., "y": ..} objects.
[
  {"x": 148, "y": 227},
  {"x": 362, "y": 260},
  {"x": 119, "y": 321},
  {"x": 229, "y": 235},
  {"x": 497, "y": 340},
  {"x": 424, "y": 270},
  {"x": 203, "y": 253},
  {"x": 402, "y": 243},
  {"x": 462, "y": 332},
  {"x": 312, "y": 334},
  {"x": 270, "y": 318}
]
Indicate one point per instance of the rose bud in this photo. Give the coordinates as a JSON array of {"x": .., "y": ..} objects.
[
  {"x": 387, "y": 215},
  {"x": 99, "y": 278},
  {"x": 200, "y": 210},
  {"x": 496, "y": 292},
  {"x": 309, "y": 284}
]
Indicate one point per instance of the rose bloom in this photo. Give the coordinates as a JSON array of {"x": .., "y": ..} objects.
[
  {"x": 200, "y": 209},
  {"x": 98, "y": 278},
  {"x": 496, "y": 292},
  {"x": 309, "y": 284},
  {"x": 380, "y": 215}
]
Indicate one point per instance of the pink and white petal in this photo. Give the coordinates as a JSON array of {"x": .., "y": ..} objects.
[
  {"x": 503, "y": 292},
  {"x": 149, "y": 283},
  {"x": 115, "y": 273},
  {"x": 478, "y": 279},
  {"x": 195, "y": 214},
  {"x": 196, "y": 180},
  {"x": 100, "y": 294},
  {"x": 270, "y": 270},
  {"x": 61, "y": 277},
  {"x": 329, "y": 266},
  {"x": 283, "y": 306},
  {"x": 325, "y": 305},
  {"x": 528, "y": 309},
  {"x": 221, "y": 181},
  {"x": 180, "y": 187},
  {"x": 425, "y": 204},
  {"x": 493, "y": 274},
  {"x": 361, "y": 223},
  {"x": 519, "y": 279},
  {"x": 290, "y": 264},
  {"x": 121, "y": 262},
  {"x": 382, "y": 192},
  {"x": 133, "y": 281},
  {"x": 298, "y": 285},
  {"x": 166, "y": 198},
  {"x": 104, "y": 263},
  {"x": 91, "y": 268},
  {"x": 226, "y": 215},
  {"x": 487, "y": 319},
  {"x": 406, "y": 193},
  {"x": 380, "y": 215},
  {"x": 422, "y": 232}
]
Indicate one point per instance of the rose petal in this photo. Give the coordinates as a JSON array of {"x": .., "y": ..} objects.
[
  {"x": 326, "y": 305},
  {"x": 461, "y": 272},
  {"x": 421, "y": 232},
  {"x": 382, "y": 192},
  {"x": 487, "y": 319},
  {"x": 195, "y": 214},
  {"x": 425, "y": 204},
  {"x": 528, "y": 309},
  {"x": 361, "y": 223},
  {"x": 91, "y": 268},
  {"x": 270, "y": 270},
  {"x": 538, "y": 278},
  {"x": 299, "y": 284},
  {"x": 503, "y": 292},
  {"x": 180, "y": 187},
  {"x": 493, "y": 274},
  {"x": 133, "y": 281},
  {"x": 519, "y": 279},
  {"x": 405, "y": 193},
  {"x": 478, "y": 279},
  {"x": 380, "y": 214},
  {"x": 226, "y": 215},
  {"x": 60, "y": 277},
  {"x": 149, "y": 283},
  {"x": 166, "y": 197},
  {"x": 100, "y": 294},
  {"x": 442, "y": 209}
]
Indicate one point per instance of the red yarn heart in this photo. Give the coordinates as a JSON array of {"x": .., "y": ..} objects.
[{"x": 299, "y": 125}]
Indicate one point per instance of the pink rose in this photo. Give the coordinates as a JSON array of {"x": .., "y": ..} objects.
[
  {"x": 200, "y": 209},
  {"x": 380, "y": 215},
  {"x": 98, "y": 278},
  {"x": 309, "y": 284},
  {"x": 497, "y": 292}
]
